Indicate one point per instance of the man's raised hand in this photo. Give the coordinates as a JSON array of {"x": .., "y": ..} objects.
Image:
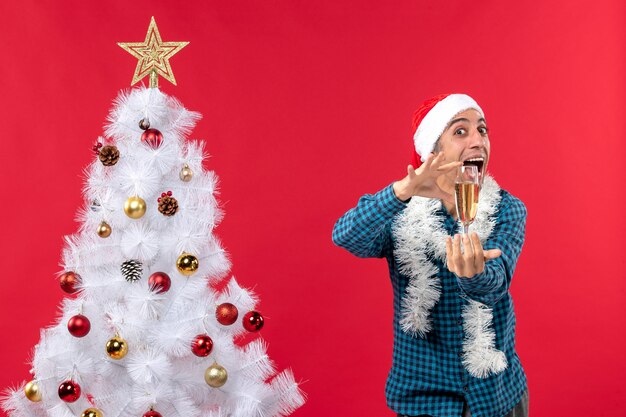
[
  {"x": 471, "y": 260},
  {"x": 422, "y": 182}
]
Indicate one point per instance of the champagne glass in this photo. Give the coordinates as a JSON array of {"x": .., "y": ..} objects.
[{"x": 466, "y": 190}]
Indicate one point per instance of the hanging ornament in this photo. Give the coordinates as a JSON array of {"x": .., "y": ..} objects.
[
  {"x": 132, "y": 270},
  {"x": 32, "y": 391},
  {"x": 253, "y": 321},
  {"x": 104, "y": 230},
  {"x": 95, "y": 206},
  {"x": 109, "y": 155},
  {"x": 226, "y": 314},
  {"x": 135, "y": 207},
  {"x": 144, "y": 124},
  {"x": 167, "y": 204},
  {"x": 117, "y": 348},
  {"x": 152, "y": 413},
  {"x": 187, "y": 264},
  {"x": 152, "y": 137},
  {"x": 186, "y": 174},
  {"x": 78, "y": 325},
  {"x": 96, "y": 147},
  {"x": 69, "y": 282},
  {"x": 69, "y": 391},
  {"x": 91, "y": 412},
  {"x": 159, "y": 282},
  {"x": 202, "y": 345},
  {"x": 215, "y": 375}
]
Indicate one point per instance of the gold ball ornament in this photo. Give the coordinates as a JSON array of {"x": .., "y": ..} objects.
[
  {"x": 135, "y": 207},
  {"x": 187, "y": 264},
  {"x": 186, "y": 174},
  {"x": 215, "y": 375},
  {"x": 32, "y": 391},
  {"x": 104, "y": 230},
  {"x": 117, "y": 348},
  {"x": 91, "y": 412}
]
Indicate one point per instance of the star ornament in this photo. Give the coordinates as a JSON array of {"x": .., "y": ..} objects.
[{"x": 153, "y": 56}]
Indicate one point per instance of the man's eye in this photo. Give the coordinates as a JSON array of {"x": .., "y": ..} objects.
[
  {"x": 460, "y": 131},
  {"x": 483, "y": 130}
]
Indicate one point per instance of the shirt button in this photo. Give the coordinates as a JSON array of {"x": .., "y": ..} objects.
[
  {"x": 465, "y": 388},
  {"x": 459, "y": 322}
]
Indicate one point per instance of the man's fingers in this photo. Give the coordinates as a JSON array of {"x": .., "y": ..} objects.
[
  {"x": 468, "y": 256},
  {"x": 449, "y": 166},
  {"x": 492, "y": 254},
  {"x": 457, "y": 257},
  {"x": 411, "y": 172},
  {"x": 479, "y": 260},
  {"x": 449, "y": 254}
]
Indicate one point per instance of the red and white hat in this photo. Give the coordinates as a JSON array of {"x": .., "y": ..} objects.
[{"x": 431, "y": 119}]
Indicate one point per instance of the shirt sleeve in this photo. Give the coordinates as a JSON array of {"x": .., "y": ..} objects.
[
  {"x": 492, "y": 284},
  {"x": 365, "y": 229}
]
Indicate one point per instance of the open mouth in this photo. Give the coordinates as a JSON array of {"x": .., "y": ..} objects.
[{"x": 479, "y": 163}]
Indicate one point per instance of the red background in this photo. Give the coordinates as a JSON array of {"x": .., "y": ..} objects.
[{"x": 307, "y": 105}]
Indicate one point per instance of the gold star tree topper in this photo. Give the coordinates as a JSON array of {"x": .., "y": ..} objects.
[{"x": 153, "y": 55}]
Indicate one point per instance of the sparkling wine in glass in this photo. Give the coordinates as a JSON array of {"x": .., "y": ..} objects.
[{"x": 466, "y": 190}]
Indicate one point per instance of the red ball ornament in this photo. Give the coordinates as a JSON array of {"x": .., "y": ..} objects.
[
  {"x": 152, "y": 137},
  {"x": 69, "y": 391},
  {"x": 202, "y": 345},
  {"x": 160, "y": 282},
  {"x": 253, "y": 321},
  {"x": 152, "y": 413},
  {"x": 226, "y": 314},
  {"x": 69, "y": 281},
  {"x": 79, "y": 325}
]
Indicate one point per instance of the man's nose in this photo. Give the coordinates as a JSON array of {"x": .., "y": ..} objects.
[{"x": 476, "y": 140}]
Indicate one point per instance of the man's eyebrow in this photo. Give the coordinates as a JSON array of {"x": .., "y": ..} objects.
[{"x": 463, "y": 119}]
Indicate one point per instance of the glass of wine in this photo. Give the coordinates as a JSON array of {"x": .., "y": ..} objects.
[{"x": 466, "y": 190}]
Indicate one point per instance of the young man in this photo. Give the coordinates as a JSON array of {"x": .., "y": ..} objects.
[{"x": 454, "y": 324}]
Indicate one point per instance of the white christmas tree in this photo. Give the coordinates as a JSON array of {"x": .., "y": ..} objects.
[{"x": 144, "y": 332}]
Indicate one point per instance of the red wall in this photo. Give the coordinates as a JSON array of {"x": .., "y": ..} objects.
[{"x": 307, "y": 105}]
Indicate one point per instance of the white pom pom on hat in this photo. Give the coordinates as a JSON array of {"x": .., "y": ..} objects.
[{"x": 431, "y": 119}]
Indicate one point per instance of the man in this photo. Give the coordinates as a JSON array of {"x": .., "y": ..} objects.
[{"x": 454, "y": 324}]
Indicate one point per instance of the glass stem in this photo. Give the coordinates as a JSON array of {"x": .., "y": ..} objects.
[{"x": 466, "y": 229}]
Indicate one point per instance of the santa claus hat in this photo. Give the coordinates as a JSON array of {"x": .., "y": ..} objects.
[{"x": 432, "y": 118}]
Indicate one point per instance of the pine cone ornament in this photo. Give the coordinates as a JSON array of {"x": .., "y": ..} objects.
[
  {"x": 132, "y": 270},
  {"x": 167, "y": 204},
  {"x": 109, "y": 155}
]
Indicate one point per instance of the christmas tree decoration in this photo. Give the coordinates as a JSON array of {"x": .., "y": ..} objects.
[
  {"x": 92, "y": 412},
  {"x": 202, "y": 345},
  {"x": 135, "y": 207},
  {"x": 185, "y": 174},
  {"x": 69, "y": 391},
  {"x": 144, "y": 124},
  {"x": 153, "y": 55},
  {"x": 32, "y": 392},
  {"x": 136, "y": 347},
  {"x": 96, "y": 147},
  {"x": 69, "y": 282},
  {"x": 159, "y": 282},
  {"x": 226, "y": 314},
  {"x": 215, "y": 375},
  {"x": 152, "y": 137},
  {"x": 187, "y": 264},
  {"x": 79, "y": 325},
  {"x": 104, "y": 230},
  {"x": 117, "y": 348},
  {"x": 132, "y": 270},
  {"x": 109, "y": 155},
  {"x": 167, "y": 204},
  {"x": 253, "y": 321}
]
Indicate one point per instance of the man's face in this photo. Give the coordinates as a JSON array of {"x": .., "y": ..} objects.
[{"x": 466, "y": 139}]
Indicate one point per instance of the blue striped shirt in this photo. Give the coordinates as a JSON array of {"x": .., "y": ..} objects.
[{"x": 427, "y": 375}]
